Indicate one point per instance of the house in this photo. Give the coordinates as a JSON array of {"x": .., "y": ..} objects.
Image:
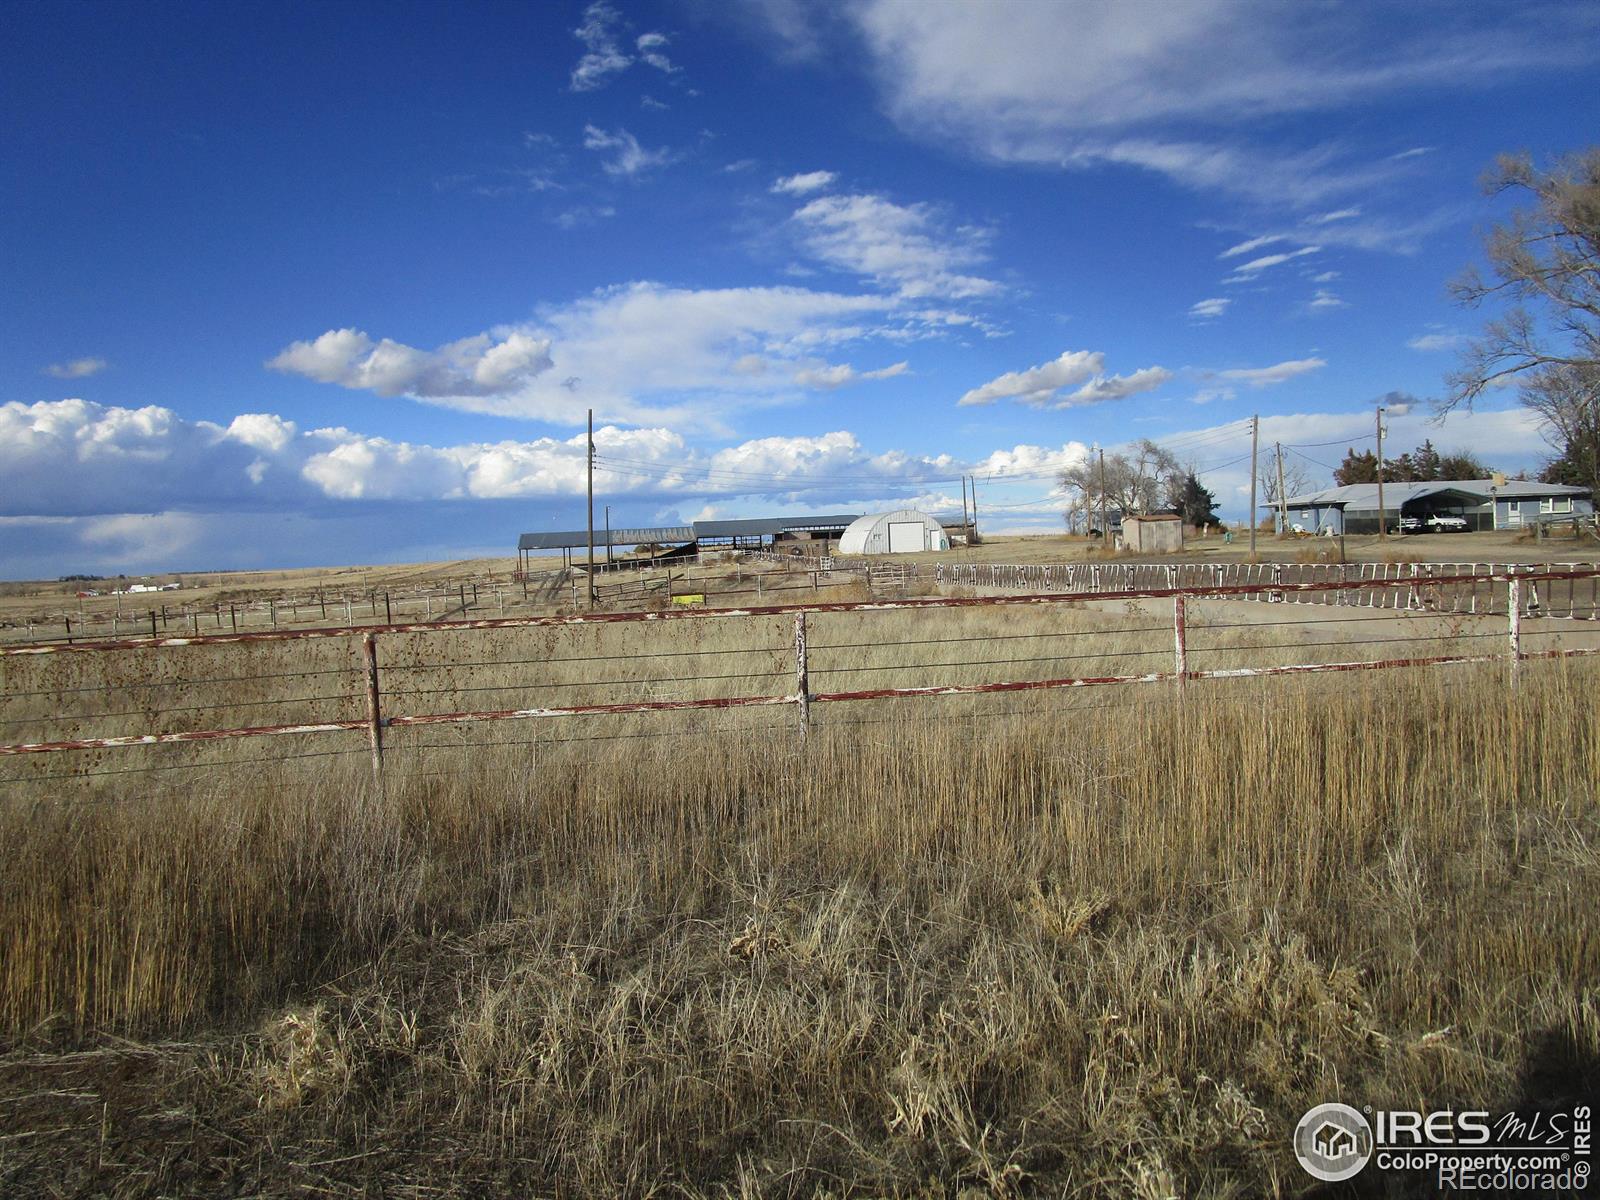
[{"x": 1497, "y": 503}]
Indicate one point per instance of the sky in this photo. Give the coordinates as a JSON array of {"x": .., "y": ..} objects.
[{"x": 318, "y": 284}]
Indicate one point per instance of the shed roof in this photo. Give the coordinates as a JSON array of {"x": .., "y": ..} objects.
[
  {"x": 668, "y": 534},
  {"x": 572, "y": 538},
  {"x": 1477, "y": 491}
]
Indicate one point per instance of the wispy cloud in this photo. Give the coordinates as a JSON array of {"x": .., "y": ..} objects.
[
  {"x": 77, "y": 368},
  {"x": 1209, "y": 309},
  {"x": 1432, "y": 342},
  {"x": 625, "y": 158},
  {"x": 604, "y": 56},
  {"x": 907, "y": 247},
  {"x": 1187, "y": 90},
  {"x": 1259, "y": 377}
]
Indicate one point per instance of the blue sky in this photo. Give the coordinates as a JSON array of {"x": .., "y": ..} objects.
[{"x": 337, "y": 283}]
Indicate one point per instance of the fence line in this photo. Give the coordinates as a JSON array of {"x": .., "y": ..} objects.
[
  {"x": 1520, "y": 587},
  {"x": 1433, "y": 587}
]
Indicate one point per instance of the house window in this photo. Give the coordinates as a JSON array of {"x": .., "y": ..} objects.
[{"x": 1555, "y": 504}]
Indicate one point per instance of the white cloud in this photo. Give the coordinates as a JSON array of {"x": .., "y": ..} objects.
[
  {"x": 78, "y": 368},
  {"x": 626, "y": 158},
  {"x": 473, "y": 366},
  {"x": 827, "y": 378},
  {"x": 1209, "y": 309},
  {"x": 1042, "y": 386},
  {"x": 1325, "y": 277},
  {"x": 652, "y": 103},
  {"x": 1258, "y": 377},
  {"x": 1325, "y": 301},
  {"x": 905, "y": 247},
  {"x": 1343, "y": 214},
  {"x": 583, "y": 215},
  {"x": 1256, "y": 265},
  {"x": 799, "y": 185},
  {"x": 1430, "y": 342},
  {"x": 651, "y": 47},
  {"x": 1169, "y": 87},
  {"x": 1116, "y": 387},
  {"x": 603, "y": 56},
  {"x": 1254, "y": 243}
]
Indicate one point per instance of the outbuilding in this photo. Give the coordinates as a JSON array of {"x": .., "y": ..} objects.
[
  {"x": 1152, "y": 533},
  {"x": 903, "y": 531}
]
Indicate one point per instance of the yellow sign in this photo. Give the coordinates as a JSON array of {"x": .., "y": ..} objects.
[{"x": 692, "y": 598}]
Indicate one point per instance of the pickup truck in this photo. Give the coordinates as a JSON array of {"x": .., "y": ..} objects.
[{"x": 1441, "y": 523}]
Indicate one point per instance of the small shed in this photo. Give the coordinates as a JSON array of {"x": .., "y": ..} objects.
[
  {"x": 1152, "y": 533},
  {"x": 903, "y": 531}
]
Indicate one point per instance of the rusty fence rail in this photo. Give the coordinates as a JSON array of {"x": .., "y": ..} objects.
[{"x": 1520, "y": 590}]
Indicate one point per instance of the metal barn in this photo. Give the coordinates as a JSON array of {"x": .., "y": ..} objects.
[{"x": 903, "y": 531}]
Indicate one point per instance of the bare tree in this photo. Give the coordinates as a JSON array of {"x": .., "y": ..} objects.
[
  {"x": 1567, "y": 401},
  {"x": 1144, "y": 479},
  {"x": 1545, "y": 263},
  {"x": 1297, "y": 478}
]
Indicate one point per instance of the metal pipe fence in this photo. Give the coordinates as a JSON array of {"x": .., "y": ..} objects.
[{"x": 800, "y": 657}]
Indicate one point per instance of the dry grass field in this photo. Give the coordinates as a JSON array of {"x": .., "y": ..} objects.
[
  {"x": 1107, "y": 941},
  {"x": 1112, "y": 953}
]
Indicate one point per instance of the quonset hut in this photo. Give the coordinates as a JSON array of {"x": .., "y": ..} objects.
[{"x": 904, "y": 531}]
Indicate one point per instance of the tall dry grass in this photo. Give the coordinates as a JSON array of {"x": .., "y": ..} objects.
[{"x": 1117, "y": 954}]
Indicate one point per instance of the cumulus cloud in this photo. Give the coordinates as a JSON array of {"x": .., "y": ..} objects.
[
  {"x": 78, "y": 368},
  {"x": 799, "y": 185},
  {"x": 1209, "y": 309},
  {"x": 904, "y": 247},
  {"x": 624, "y": 158},
  {"x": 1259, "y": 377},
  {"x": 1116, "y": 387},
  {"x": 75, "y": 458},
  {"x": 474, "y": 366},
  {"x": 1042, "y": 386}
]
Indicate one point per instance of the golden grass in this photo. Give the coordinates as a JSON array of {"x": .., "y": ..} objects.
[{"x": 1109, "y": 952}]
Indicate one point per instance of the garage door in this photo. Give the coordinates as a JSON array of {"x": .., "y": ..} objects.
[{"x": 905, "y": 537}]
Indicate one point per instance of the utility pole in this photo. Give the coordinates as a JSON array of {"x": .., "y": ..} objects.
[
  {"x": 966, "y": 525},
  {"x": 974, "y": 504},
  {"x": 1105, "y": 532},
  {"x": 1283, "y": 500},
  {"x": 589, "y": 566},
  {"x": 1255, "y": 441},
  {"x": 608, "y": 535},
  {"x": 1382, "y": 520}
]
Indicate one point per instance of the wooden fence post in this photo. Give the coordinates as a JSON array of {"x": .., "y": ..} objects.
[
  {"x": 369, "y": 652},
  {"x": 802, "y": 684},
  {"x": 1514, "y": 621},
  {"x": 1180, "y": 648}
]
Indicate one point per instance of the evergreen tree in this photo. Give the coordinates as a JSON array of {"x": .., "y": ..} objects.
[
  {"x": 1195, "y": 503},
  {"x": 1425, "y": 463},
  {"x": 1357, "y": 468}
]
